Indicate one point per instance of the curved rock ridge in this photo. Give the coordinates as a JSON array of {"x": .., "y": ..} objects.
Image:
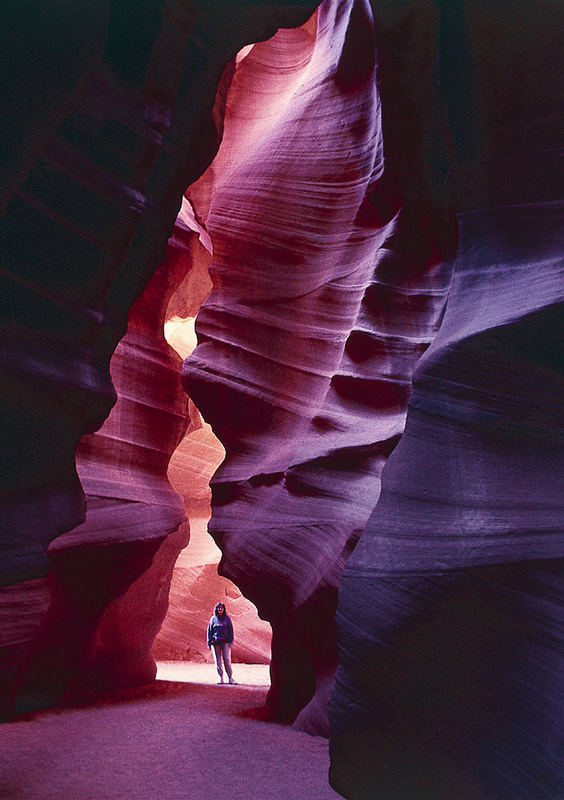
[
  {"x": 322, "y": 302},
  {"x": 109, "y": 576},
  {"x": 450, "y": 621},
  {"x": 116, "y": 115}
]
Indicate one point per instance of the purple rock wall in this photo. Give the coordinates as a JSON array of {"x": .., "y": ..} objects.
[
  {"x": 450, "y": 614},
  {"x": 323, "y": 300}
]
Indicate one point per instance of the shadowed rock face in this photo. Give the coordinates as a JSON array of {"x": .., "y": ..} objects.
[
  {"x": 450, "y": 613},
  {"x": 115, "y": 116}
]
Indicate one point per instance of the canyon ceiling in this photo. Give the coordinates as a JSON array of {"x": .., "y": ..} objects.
[{"x": 362, "y": 204}]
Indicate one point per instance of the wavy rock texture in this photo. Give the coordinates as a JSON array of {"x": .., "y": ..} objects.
[
  {"x": 320, "y": 307},
  {"x": 332, "y": 244},
  {"x": 195, "y": 585},
  {"x": 109, "y": 577},
  {"x": 450, "y": 614},
  {"x": 115, "y": 117}
]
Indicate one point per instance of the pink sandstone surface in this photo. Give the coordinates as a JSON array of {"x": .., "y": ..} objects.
[
  {"x": 109, "y": 137},
  {"x": 320, "y": 308},
  {"x": 383, "y": 224}
]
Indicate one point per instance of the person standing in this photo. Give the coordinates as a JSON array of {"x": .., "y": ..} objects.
[{"x": 220, "y": 638}]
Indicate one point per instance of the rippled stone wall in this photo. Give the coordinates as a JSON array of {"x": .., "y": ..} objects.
[
  {"x": 384, "y": 219},
  {"x": 110, "y": 113},
  {"x": 331, "y": 265},
  {"x": 450, "y": 613}
]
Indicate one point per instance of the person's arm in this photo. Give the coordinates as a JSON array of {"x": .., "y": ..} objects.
[
  {"x": 210, "y": 632},
  {"x": 229, "y": 630}
]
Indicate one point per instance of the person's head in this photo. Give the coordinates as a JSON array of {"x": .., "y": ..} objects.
[{"x": 219, "y": 609}]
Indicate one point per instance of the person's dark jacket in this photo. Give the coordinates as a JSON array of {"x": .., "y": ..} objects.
[{"x": 220, "y": 629}]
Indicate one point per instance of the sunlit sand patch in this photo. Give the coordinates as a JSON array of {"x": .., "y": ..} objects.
[{"x": 190, "y": 672}]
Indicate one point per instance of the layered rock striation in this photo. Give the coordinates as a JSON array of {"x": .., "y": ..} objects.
[
  {"x": 113, "y": 115},
  {"x": 450, "y": 614},
  {"x": 348, "y": 143},
  {"x": 322, "y": 302}
]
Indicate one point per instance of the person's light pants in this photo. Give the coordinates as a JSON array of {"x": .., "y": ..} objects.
[{"x": 222, "y": 650}]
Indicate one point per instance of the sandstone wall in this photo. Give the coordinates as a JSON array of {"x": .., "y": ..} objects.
[
  {"x": 109, "y": 116},
  {"x": 450, "y": 611},
  {"x": 323, "y": 300},
  {"x": 344, "y": 287}
]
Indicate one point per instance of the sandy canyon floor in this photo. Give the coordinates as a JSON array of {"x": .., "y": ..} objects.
[{"x": 182, "y": 737}]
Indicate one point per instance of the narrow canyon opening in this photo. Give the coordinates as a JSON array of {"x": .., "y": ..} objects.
[{"x": 196, "y": 585}]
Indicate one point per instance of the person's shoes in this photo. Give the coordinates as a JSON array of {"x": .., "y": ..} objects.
[
  {"x": 232, "y": 682},
  {"x": 220, "y": 681}
]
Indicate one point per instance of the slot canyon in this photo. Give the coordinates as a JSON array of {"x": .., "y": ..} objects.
[{"x": 358, "y": 205}]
